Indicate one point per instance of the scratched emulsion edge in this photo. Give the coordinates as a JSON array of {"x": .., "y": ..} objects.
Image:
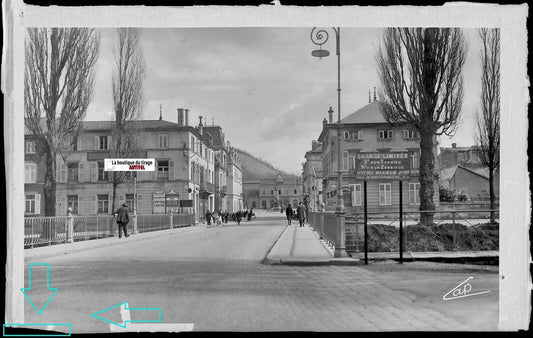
[
  {"x": 12, "y": 62},
  {"x": 515, "y": 280}
]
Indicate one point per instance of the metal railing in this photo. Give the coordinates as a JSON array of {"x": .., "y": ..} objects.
[
  {"x": 451, "y": 230},
  {"x": 40, "y": 231}
]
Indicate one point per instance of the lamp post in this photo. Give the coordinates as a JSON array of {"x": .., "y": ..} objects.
[{"x": 319, "y": 38}]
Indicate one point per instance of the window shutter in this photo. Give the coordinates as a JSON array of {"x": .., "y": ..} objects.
[
  {"x": 110, "y": 203},
  {"x": 171, "y": 170},
  {"x": 57, "y": 205},
  {"x": 352, "y": 189},
  {"x": 139, "y": 205},
  {"x": 94, "y": 171},
  {"x": 153, "y": 174},
  {"x": 94, "y": 204},
  {"x": 95, "y": 143},
  {"x": 62, "y": 205},
  {"x": 360, "y": 135},
  {"x": 110, "y": 142},
  {"x": 37, "y": 204},
  {"x": 110, "y": 176},
  {"x": 389, "y": 134},
  {"x": 78, "y": 143},
  {"x": 62, "y": 172},
  {"x": 80, "y": 205},
  {"x": 406, "y": 133},
  {"x": 81, "y": 172}
]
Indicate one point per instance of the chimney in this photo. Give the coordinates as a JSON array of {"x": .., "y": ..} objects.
[
  {"x": 374, "y": 93},
  {"x": 369, "y": 99},
  {"x": 330, "y": 112},
  {"x": 180, "y": 117},
  {"x": 186, "y": 116},
  {"x": 229, "y": 145},
  {"x": 324, "y": 123},
  {"x": 160, "y": 112},
  {"x": 454, "y": 145},
  {"x": 201, "y": 126}
]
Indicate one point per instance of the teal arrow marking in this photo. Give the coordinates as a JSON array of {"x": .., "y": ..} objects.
[
  {"x": 127, "y": 320},
  {"x": 26, "y": 292}
]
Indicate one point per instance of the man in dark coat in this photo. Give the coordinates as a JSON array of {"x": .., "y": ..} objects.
[
  {"x": 208, "y": 217},
  {"x": 239, "y": 217},
  {"x": 300, "y": 212},
  {"x": 289, "y": 214},
  {"x": 123, "y": 219}
]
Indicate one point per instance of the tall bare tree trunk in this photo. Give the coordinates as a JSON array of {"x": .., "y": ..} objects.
[
  {"x": 50, "y": 184},
  {"x": 426, "y": 175}
]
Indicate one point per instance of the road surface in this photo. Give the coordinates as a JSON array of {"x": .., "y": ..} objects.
[{"x": 213, "y": 278}]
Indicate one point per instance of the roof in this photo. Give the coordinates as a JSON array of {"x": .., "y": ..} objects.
[
  {"x": 146, "y": 125},
  {"x": 216, "y": 134},
  {"x": 446, "y": 174},
  {"x": 371, "y": 113}
]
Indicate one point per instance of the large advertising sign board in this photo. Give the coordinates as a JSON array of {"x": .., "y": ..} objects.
[{"x": 382, "y": 166}]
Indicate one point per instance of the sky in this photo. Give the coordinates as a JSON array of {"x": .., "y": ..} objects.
[{"x": 261, "y": 85}]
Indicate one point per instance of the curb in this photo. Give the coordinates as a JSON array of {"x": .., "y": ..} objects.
[
  {"x": 269, "y": 261},
  {"x": 64, "y": 249}
]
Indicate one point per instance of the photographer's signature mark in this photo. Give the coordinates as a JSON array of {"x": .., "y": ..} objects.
[{"x": 461, "y": 291}]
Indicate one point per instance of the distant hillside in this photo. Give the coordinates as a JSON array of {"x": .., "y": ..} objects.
[{"x": 254, "y": 168}]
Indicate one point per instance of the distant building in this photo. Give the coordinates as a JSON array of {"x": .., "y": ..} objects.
[
  {"x": 469, "y": 181},
  {"x": 280, "y": 192},
  {"x": 452, "y": 156},
  {"x": 365, "y": 133},
  {"x": 312, "y": 177}
]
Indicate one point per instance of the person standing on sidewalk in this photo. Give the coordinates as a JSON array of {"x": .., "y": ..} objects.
[
  {"x": 238, "y": 215},
  {"x": 300, "y": 212},
  {"x": 122, "y": 218},
  {"x": 289, "y": 214},
  {"x": 208, "y": 217}
]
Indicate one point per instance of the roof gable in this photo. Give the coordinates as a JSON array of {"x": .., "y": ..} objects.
[{"x": 371, "y": 113}]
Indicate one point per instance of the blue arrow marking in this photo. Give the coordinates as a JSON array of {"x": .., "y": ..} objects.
[
  {"x": 47, "y": 286},
  {"x": 126, "y": 308}
]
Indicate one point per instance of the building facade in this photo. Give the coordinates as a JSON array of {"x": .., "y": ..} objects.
[
  {"x": 279, "y": 192},
  {"x": 312, "y": 177},
  {"x": 234, "y": 179},
  {"x": 366, "y": 133},
  {"x": 184, "y": 171}
]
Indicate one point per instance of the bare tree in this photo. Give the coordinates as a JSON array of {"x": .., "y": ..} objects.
[
  {"x": 422, "y": 86},
  {"x": 128, "y": 99},
  {"x": 488, "y": 119},
  {"x": 58, "y": 84}
]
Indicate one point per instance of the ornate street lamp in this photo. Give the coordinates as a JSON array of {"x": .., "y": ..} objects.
[{"x": 319, "y": 38}]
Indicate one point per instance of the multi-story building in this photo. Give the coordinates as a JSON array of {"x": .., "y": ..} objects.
[
  {"x": 367, "y": 132},
  {"x": 280, "y": 192},
  {"x": 312, "y": 177},
  {"x": 221, "y": 166},
  {"x": 184, "y": 168},
  {"x": 234, "y": 181}
]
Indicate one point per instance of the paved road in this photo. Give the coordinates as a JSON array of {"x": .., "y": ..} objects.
[{"x": 212, "y": 277}]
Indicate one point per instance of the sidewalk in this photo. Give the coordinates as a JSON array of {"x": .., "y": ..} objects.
[
  {"x": 302, "y": 246},
  {"x": 60, "y": 249}
]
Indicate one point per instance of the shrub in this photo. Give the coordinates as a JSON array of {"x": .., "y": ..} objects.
[{"x": 446, "y": 195}]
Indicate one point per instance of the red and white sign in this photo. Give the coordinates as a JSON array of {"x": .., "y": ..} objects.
[{"x": 123, "y": 164}]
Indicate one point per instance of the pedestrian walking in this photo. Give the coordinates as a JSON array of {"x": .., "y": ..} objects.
[
  {"x": 250, "y": 214},
  {"x": 122, "y": 218},
  {"x": 238, "y": 216},
  {"x": 208, "y": 217},
  {"x": 289, "y": 213},
  {"x": 300, "y": 213}
]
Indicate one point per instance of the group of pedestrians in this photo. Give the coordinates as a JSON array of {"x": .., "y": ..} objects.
[
  {"x": 301, "y": 214},
  {"x": 218, "y": 218}
]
